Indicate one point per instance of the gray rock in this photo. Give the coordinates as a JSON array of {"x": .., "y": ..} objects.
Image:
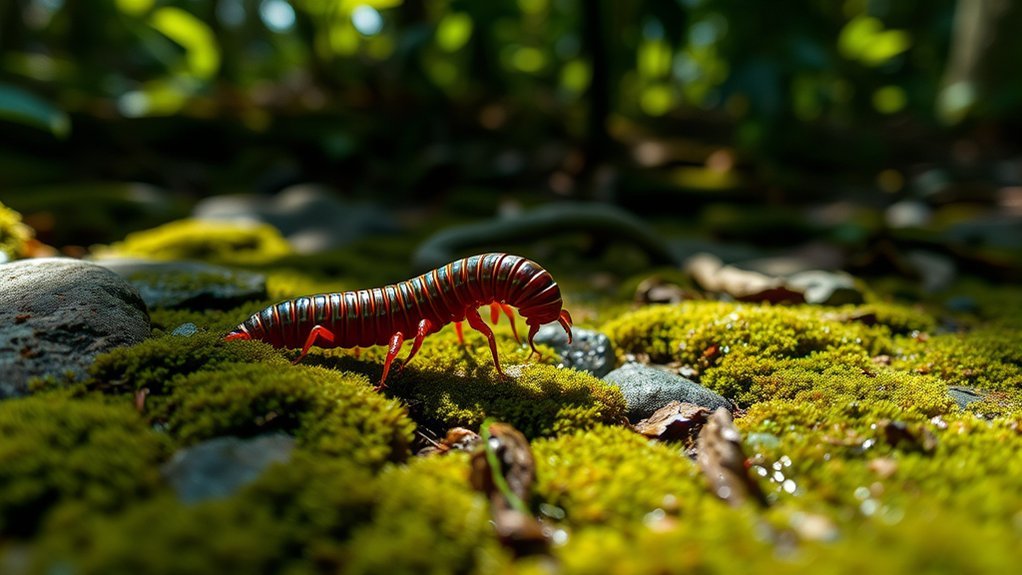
[
  {"x": 57, "y": 314},
  {"x": 193, "y": 285},
  {"x": 219, "y": 467},
  {"x": 185, "y": 330},
  {"x": 312, "y": 217},
  {"x": 647, "y": 389},
  {"x": 826, "y": 288},
  {"x": 589, "y": 350},
  {"x": 963, "y": 396}
]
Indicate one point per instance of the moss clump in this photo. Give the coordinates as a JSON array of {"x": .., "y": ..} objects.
[
  {"x": 449, "y": 385},
  {"x": 723, "y": 540},
  {"x": 616, "y": 477},
  {"x": 312, "y": 515},
  {"x": 162, "y": 536},
  {"x": 14, "y": 235},
  {"x": 427, "y": 520},
  {"x": 987, "y": 357},
  {"x": 877, "y": 460},
  {"x": 837, "y": 375},
  {"x": 156, "y": 363},
  {"x": 758, "y": 353},
  {"x": 329, "y": 412},
  {"x": 54, "y": 449},
  {"x": 538, "y": 399},
  {"x": 216, "y": 242},
  {"x": 698, "y": 334}
]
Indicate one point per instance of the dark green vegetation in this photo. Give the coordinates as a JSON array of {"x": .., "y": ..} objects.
[
  {"x": 887, "y": 435},
  {"x": 867, "y": 461}
]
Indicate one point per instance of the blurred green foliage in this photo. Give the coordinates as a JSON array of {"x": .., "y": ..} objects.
[{"x": 534, "y": 70}]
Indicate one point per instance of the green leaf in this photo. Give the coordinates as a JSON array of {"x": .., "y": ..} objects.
[
  {"x": 201, "y": 54},
  {"x": 23, "y": 107}
]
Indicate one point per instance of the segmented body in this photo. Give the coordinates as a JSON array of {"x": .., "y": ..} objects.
[{"x": 416, "y": 307}]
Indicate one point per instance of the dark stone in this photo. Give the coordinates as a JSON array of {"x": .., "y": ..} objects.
[
  {"x": 219, "y": 467},
  {"x": 57, "y": 314},
  {"x": 190, "y": 285},
  {"x": 185, "y": 330},
  {"x": 963, "y": 396},
  {"x": 647, "y": 389},
  {"x": 589, "y": 350}
]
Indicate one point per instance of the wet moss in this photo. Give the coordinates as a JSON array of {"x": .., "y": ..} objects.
[
  {"x": 54, "y": 449},
  {"x": 330, "y": 413},
  {"x": 876, "y": 460},
  {"x": 215, "y": 242},
  {"x": 14, "y": 235}
]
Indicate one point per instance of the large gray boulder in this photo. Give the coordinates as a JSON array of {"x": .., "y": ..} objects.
[{"x": 57, "y": 314}]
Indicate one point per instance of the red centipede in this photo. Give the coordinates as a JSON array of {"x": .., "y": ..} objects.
[{"x": 421, "y": 306}]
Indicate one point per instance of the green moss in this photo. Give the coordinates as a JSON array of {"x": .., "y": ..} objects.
[
  {"x": 840, "y": 456},
  {"x": 163, "y": 536},
  {"x": 155, "y": 363},
  {"x": 697, "y": 334},
  {"x": 14, "y": 235},
  {"x": 216, "y": 242},
  {"x": 931, "y": 541},
  {"x": 843, "y": 374},
  {"x": 616, "y": 477},
  {"x": 427, "y": 520},
  {"x": 449, "y": 385},
  {"x": 987, "y": 357},
  {"x": 312, "y": 515},
  {"x": 54, "y": 449},
  {"x": 758, "y": 353},
  {"x": 329, "y": 412}
]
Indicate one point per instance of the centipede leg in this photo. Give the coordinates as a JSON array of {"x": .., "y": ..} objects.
[
  {"x": 315, "y": 333},
  {"x": 395, "y": 346},
  {"x": 420, "y": 335},
  {"x": 494, "y": 313},
  {"x": 479, "y": 325},
  {"x": 460, "y": 332},
  {"x": 511, "y": 317},
  {"x": 533, "y": 330}
]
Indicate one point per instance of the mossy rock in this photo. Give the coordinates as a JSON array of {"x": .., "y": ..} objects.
[
  {"x": 14, "y": 235},
  {"x": 211, "y": 241},
  {"x": 54, "y": 449},
  {"x": 331, "y": 413}
]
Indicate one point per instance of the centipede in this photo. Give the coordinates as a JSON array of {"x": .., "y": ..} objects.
[{"x": 417, "y": 308}]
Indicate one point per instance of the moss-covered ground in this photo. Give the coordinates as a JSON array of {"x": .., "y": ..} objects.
[{"x": 868, "y": 462}]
